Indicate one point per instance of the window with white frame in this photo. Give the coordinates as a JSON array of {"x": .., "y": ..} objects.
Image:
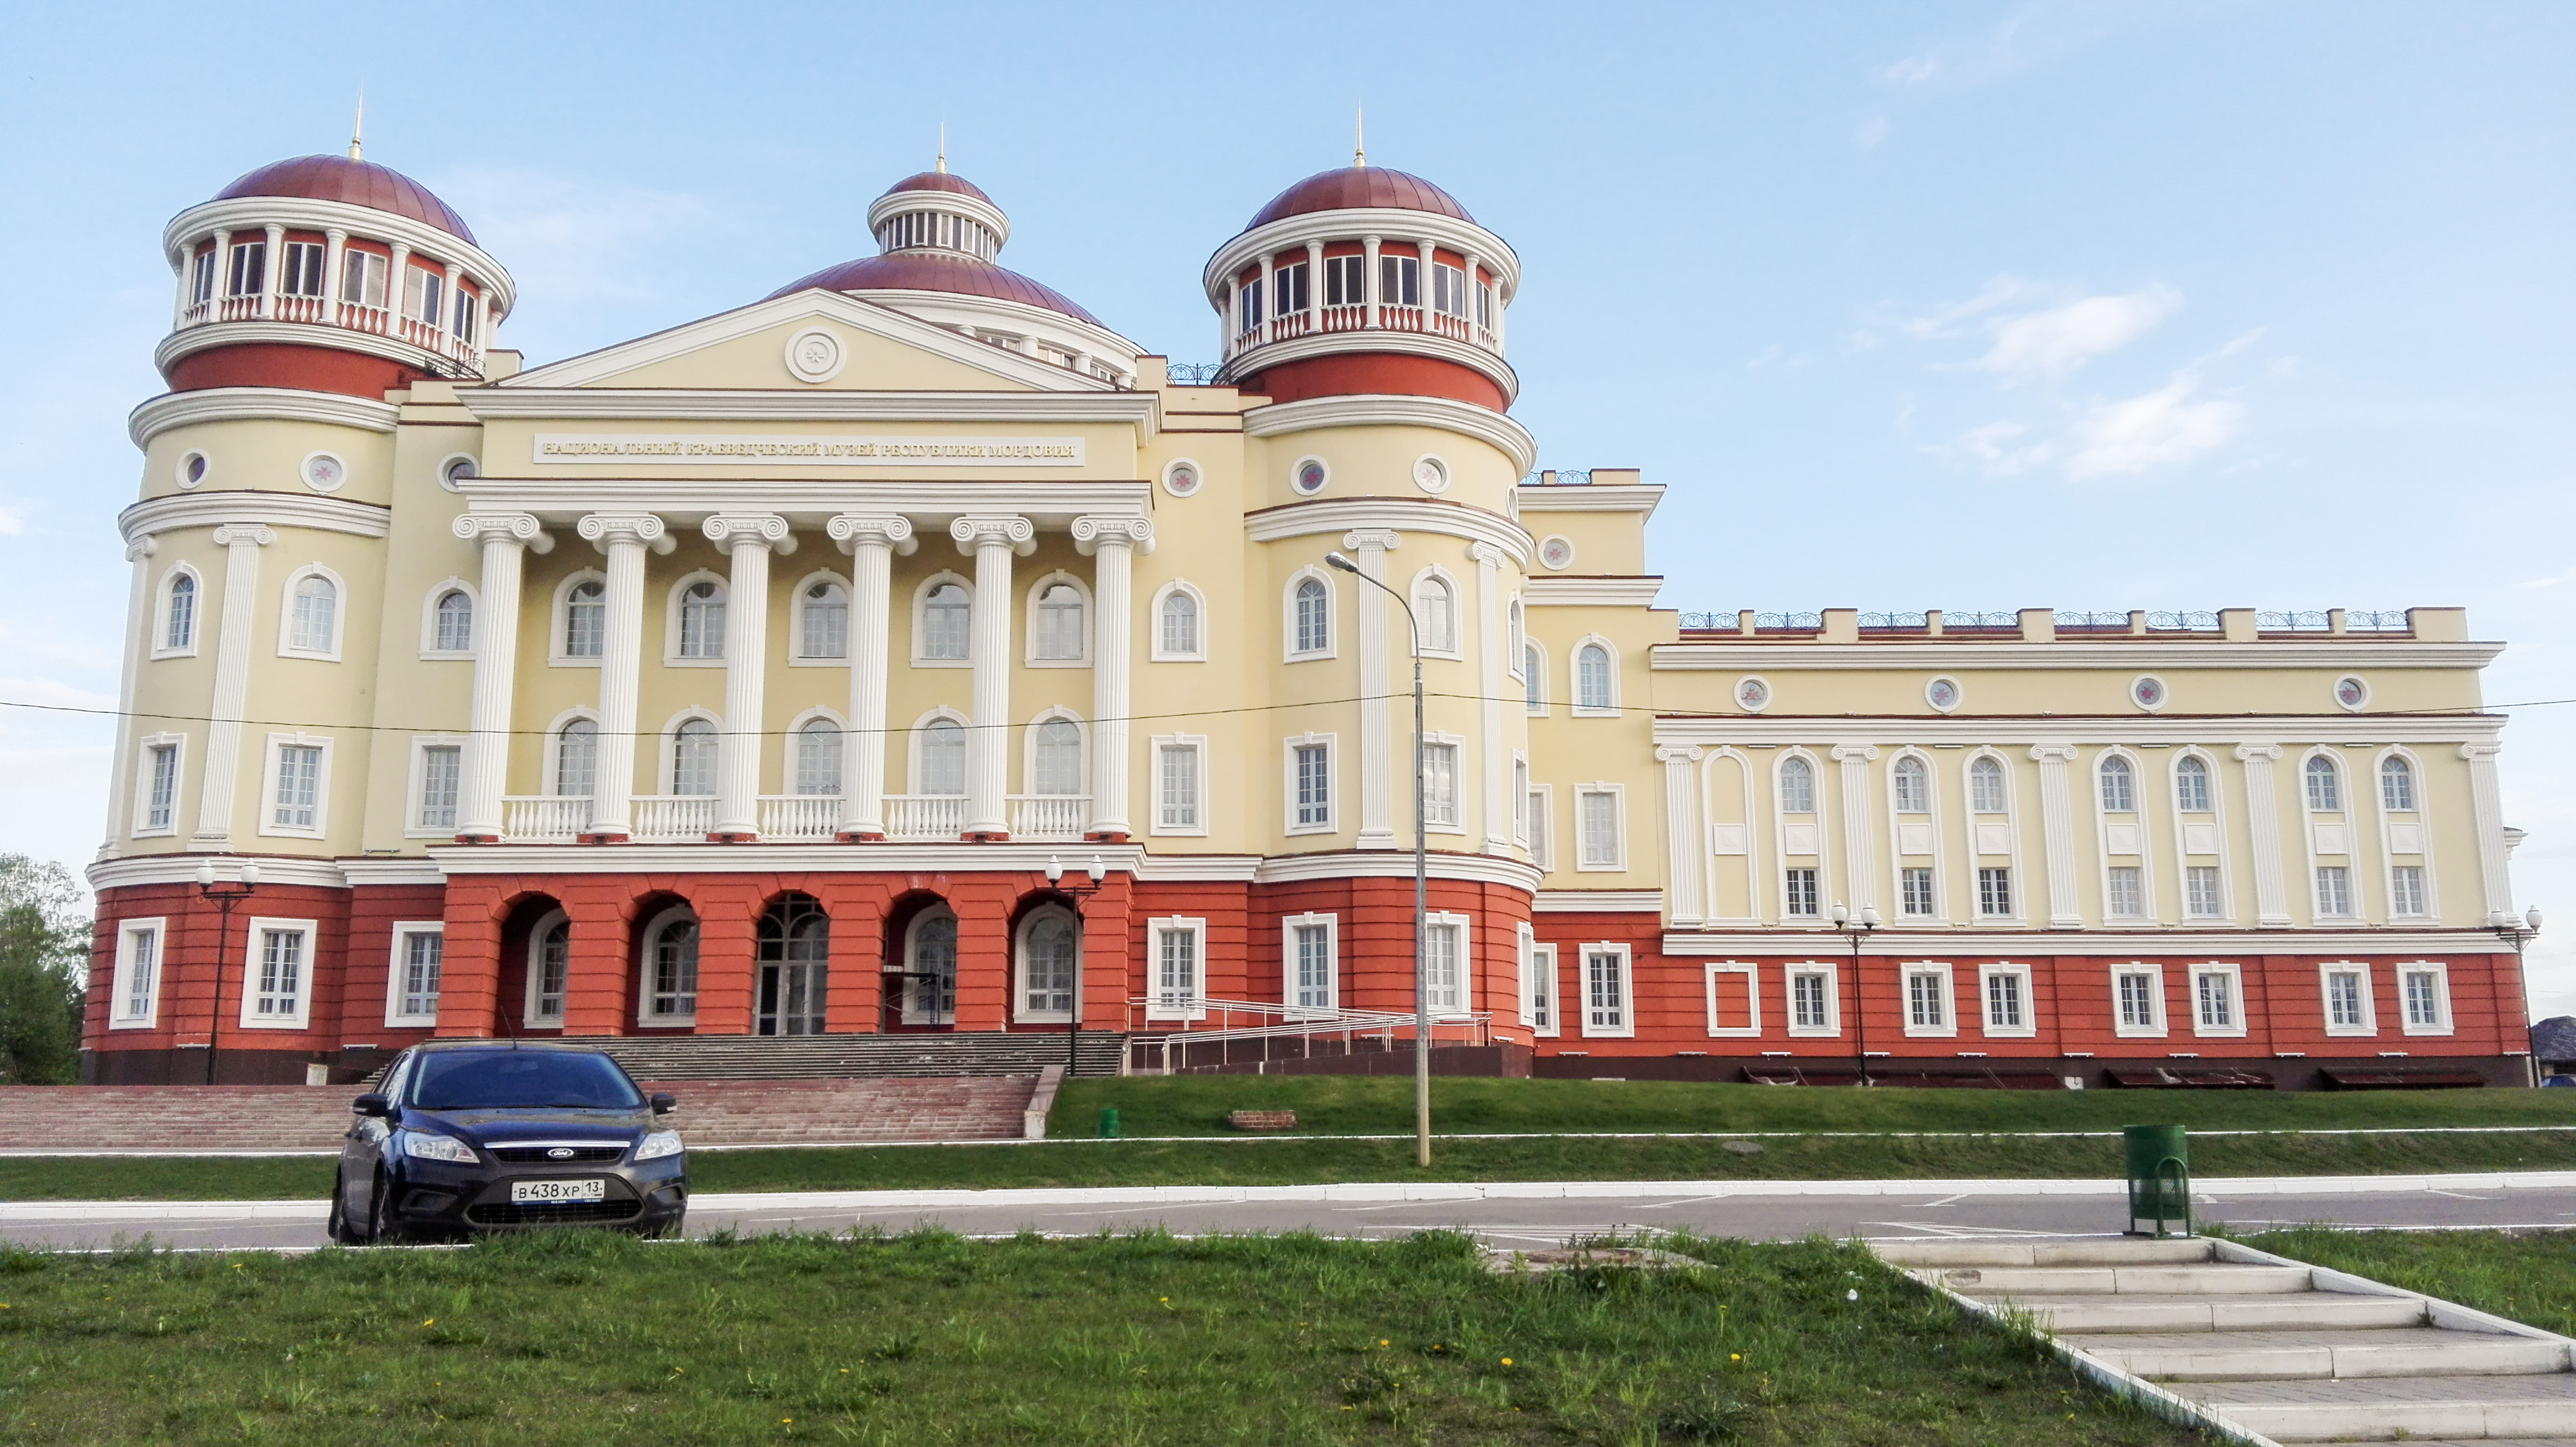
[
  {"x": 1734, "y": 1000},
  {"x": 1606, "y": 1002},
  {"x": 1180, "y": 785},
  {"x": 135, "y": 990},
  {"x": 157, "y": 784},
  {"x": 451, "y": 624},
  {"x": 1440, "y": 786},
  {"x": 576, "y": 759},
  {"x": 179, "y": 614},
  {"x": 2007, "y": 994},
  {"x": 1986, "y": 786},
  {"x": 2334, "y": 891},
  {"x": 1247, "y": 301},
  {"x": 1435, "y": 603},
  {"x": 2346, "y": 988},
  {"x": 1539, "y": 982},
  {"x": 419, "y": 949},
  {"x": 1520, "y": 801},
  {"x": 2425, "y": 989},
  {"x": 298, "y": 773},
  {"x": 671, "y": 969},
  {"x": 1289, "y": 285},
  {"x": 362, "y": 277},
  {"x": 1176, "y": 626},
  {"x": 1601, "y": 843},
  {"x": 1797, "y": 786},
  {"x": 929, "y": 987},
  {"x": 1445, "y": 965},
  {"x": 585, "y": 619},
  {"x": 823, "y": 621},
  {"x": 549, "y": 970},
  {"x": 1593, "y": 692},
  {"x": 278, "y": 974},
  {"x": 2406, "y": 897},
  {"x": 940, "y": 763},
  {"x": 2124, "y": 892},
  {"x": 947, "y": 619},
  {"x": 1056, "y": 631},
  {"x": 1055, "y": 757},
  {"x": 249, "y": 275},
  {"x": 1542, "y": 832},
  {"x": 1994, "y": 893},
  {"x": 1399, "y": 279},
  {"x": 464, "y": 314},
  {"x": 818, "y": 757},
  {"x": 1798, "y": 889},
  {"x": 1310, "y": 619},
  {"x": 2119, "y": 786},
  {"x": 1346, "y": 281},
  {"x": 1927, "y": 1000},
  {"x": 2137, "y": 999},
  {"x": 1310, "y": 785},
  {"x": 693, "y": 758},
  {"x": 2396, "y": 784},
  {"x": 1310, "y": 971},
  {"x": 201, "y": 279},
  {"x": 440, "y": 779},
  {"x": 1515, "y": 637},
  {"x": 1914, "y": 894},
  {"x": 2217, "y": 1007},
  {"x": 312, "y": 616},
  {"x": 1448, "y": 290},
  {"x": 424, "y": 292},
  {"x": 2191, "y": 785},
  {"x": 1814, "y": 1006},
  {"x": 2325, "y": 785},
  {"x": 1049, "y": 948},
  {"x": 1179, "y": 964},
  {"x": 2201, "y": 897},
  {"x": 300, "y": 273},
  {"x": 1533, "y": 679},
  {"x": 701, "y": 621},
  {"x": 1912, "y": 786}
]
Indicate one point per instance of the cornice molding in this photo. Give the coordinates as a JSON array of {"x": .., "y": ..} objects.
[
  {"x": 257, "y": 404},
  {"x": 1598, "y": 901},
  {"x": 1393, "y": 224},
  {"x": 1796, "y": 654},
  {"x": 189, "y": 341},
  {"x": 805, "y": 502},
  {"x": 2213, "y": 731},
  {"x": 778, "y": 858},
  {"x": 1395, "y": 864},
  {"x": 1488, "y": 364},
  {"x": 2220, "y": 946},
  {"x": 1640, "y": 497},
  {"x": 1387, "y": 409},
  {"x": 182, "y": 869},
  {"x": 1401, "y": 515},
  {"x": 623, "y": 404},
  {"x": 304, "y": 213},
  {"x": 269, "y": 509},
  {"x": 1544, "y": 590}
]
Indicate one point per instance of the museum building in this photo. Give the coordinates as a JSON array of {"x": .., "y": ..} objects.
[{"x": 905, "y": 672}]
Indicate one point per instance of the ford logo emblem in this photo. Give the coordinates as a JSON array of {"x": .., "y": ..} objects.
[{"x": 559, "y": 1153}]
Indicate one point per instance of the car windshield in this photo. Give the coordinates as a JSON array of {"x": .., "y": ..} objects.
[{"x": 521, "y": 1079}]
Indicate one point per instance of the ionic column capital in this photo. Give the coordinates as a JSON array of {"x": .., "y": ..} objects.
[
  {"x": 854, "y": 530},
  {"x": 642, "y": 528},
  {"x": 1017, "y": 533},
  {"x": 1384, "y": 540},
  {"x": 1680, "y": 753},
  {"x": 517, "y": 527},
  {"x": 1861, "y": 753},
  {"x": 2248, "y": 753},
  {"x": 2475, "y": 753},
  {"x": 1486, "y": 555},
  {"x": 1090, "y": 534},
  {"x": 141, "y": 548},
  {"x": 2052, "y": 753},
  {"x": 734, "y": 529},
  {"x": 257, "y": 534}
]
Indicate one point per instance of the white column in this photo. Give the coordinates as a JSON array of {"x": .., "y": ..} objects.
[
  {"x": 1860, "y": 882},
  {"x": 187, "y": 266},
  {"x": 335, "y": 245},
  {"x": 2262, "y": 820},
  {"x": 1377, "y": 748},
  {"x": 1225, "y": 322},
  {"x": 1269, "y": 297},
  {"x": 2486, "y": 806},
  {"x": 751, "y": 537},
  {"x": 223, "y": 276},
  {"x": 1430, "y": 264},
  {"x": 623, "y": 537},
  {"x": 1684, "y": 839},
  {"x": 2057, "y": 833},
  {"x": 505, "y": 539},
  {"x": 1370, "y": 280},
  {"x": 395, "y": 276},
  {"x": 1113, "y": 543},
  {"x": 992, "y": 541},
  {"x": 140, "y": 629},
  {"x": 872, "y": 541},
  {"x": 276, "y": 258},
  {"x": 1494, "y": 759},
  {"x": 1314, "y": 286},
  {"x": 241, "y": 543},
  {"x": 445, "y": 324}
]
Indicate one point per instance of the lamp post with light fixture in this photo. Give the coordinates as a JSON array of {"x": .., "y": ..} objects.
[
  {"x": 1421, "y": 882},
  {"x": 2520, "y": 932},
  {"x": 225, "y": 899},
  {"x": 1055, "y": 881},
  {"x": 1856, "y": 930}
]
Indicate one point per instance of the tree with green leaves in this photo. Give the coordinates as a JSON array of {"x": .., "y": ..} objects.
[{"x": 44, "y": 970}]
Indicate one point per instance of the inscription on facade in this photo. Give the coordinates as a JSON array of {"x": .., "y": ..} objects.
[{"x": 667, "y": 449}]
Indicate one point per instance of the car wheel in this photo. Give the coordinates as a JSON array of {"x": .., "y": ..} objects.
[
  {"x": 380, "y": 1227},
  {"x": 336, "y": 1225}
]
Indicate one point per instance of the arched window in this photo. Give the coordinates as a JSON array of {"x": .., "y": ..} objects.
[
  {"x": 1180, "y": 625},
  {"x": 930, "y": 970},
  {"x": 1437, "y": 606},
  {"x": 944, "y": 618},
  {"x": 586, "y": 619},
  {"x": 2396, "y": 783},
  {"x": 1797, "y": 787},
  {"x": 454, "y": 632},
  {"x": 1048, "y": 945},
  {"x": 1314, "y": 617},
  {"x": 794, "y": 950},
  {"x": 1512, "y": 636},
  {"x": 1533, "y": 678},
  {"x": 549, "y": 969},
  {"x": 179, "y": 620},
  {"x": 943, "y": 757},
  {"x": 671, "y": 968},
  {"x": 2325, "y": 787},
  {"x": 818, "y": 757},
  {"x": 1592, "y": 676},
  {"x": 693, "y": 758},
  {"x": 702, "y": 620},
  {"x": 1058, "y": 626},
  {"x": 1986, "y": 786},
  {"x": 1055, "y": 766},
  {"x": 316, "y": 626},
  {"x": 577, "y": 759},
  {"x": 826, "y": 630},
  {"x": 2191, "y": 785},
  {"x": 2119, "y": 795},
  {"x": 1913, "y": 786}
]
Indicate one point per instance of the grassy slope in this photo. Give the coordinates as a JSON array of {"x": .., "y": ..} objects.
[
  {"x": 2527, "y": 1275},
  {"x": 576, "y": 1339}
]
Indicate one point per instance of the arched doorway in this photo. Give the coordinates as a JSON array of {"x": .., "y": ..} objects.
[
  {"x": 795, "y": 947},
  {"x": 921, "y": 969},
  {"x": 1048, "y": 948}
]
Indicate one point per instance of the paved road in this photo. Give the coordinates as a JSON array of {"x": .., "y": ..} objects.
[{"x": 1759, "y": 1212}]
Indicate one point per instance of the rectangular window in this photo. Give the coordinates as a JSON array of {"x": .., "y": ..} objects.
[
  {"x": 2141, "y": 1011},
  {"x": 298, "y": 801},
  {"x": 423, "y": 293},
  {"x": 1994, "y": 893},
  {"x": 1914, "y": 893},
  {"x": 1927, "y": 1005},
  {"x": 418, "y": 952},
  {"x": 1485, "y": 307},
  {"x": 1289, "y": 283},
  {"x": 1596, "y": 814},
  {"x": 277, "y": 974},
  {"x": 302, "y": 273},
  {"x": 1176, "y": 778},
  {"x": 137, "y": 985},
  {"x": 1440, "y": 786},
  {"x": 1312, "y": 974},
  {"x": 2406, "y": 891},
  {"x": 2346, "y": 1007},
  {"x": 1345, "y": 281},
  {"x": 1520, "y": 802},
  {"x": 1605, "y": 991},
  {"x": 1542, "y": 989},
  {"x": 2004, "y": 1010},
  {"x": 465, "y": 309},
  {"x": 2428, "y": 999},
  {"x": 1248, "y": 306},
  {"x": 201, "y": 282},
  {"x": 1800, "y": 902},
  {"x": 2200, "y": 897},
  {"x": 2215, "y": 993},
  {"x": 250, "y": 269},
  {"x": 1444, "y": 978},
  {"x": 2334, "y": 891},
  {"x": 1448, "y": 290},
  {"x": 1313, "y": 787},
  {"x": 1399, "y": 280},
  {"x": 2124, "y": 892},
  {"x": 1542, "y": 836},
  {"x": 161, "y": 786},
  {"x": 1177, "y": 995},
  {"x": 442, "y": 767},
  {"x": 1810, "y": 1001},
  {"x": 362, "y": 278}
]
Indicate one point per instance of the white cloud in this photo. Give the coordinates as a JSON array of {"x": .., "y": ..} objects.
[
  {"x": 2052, "y": 344},
  {"x": 1869, "y": 132},
  {"x": 50, "y": 691},
  {"x": 1995, "y": 449},
  {"x": 2164, "y": 426},
  {"x": 11, "y": 525},
  {"x": 2038, "y": 33},
  {"x": 576, "y": 240}
]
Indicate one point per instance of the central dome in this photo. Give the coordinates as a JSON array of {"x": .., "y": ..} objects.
[
  {"x": 933, "y": 271},
  {"x": 937, "y": 231},
  {"x": 1355, "y": 188},
  {"x": 357, "y": 183}
]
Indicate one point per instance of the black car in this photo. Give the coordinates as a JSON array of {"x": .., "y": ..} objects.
[{"x": 481, "y": 1135}]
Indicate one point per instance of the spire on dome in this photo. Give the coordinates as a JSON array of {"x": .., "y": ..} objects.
[
  {"x": 1359, "y": 135},
  {"x": 941, "y": 166},
  {"x": 358, "y": 127}
]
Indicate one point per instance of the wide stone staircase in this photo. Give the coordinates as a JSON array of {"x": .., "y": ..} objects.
[{"x": 2281, "y": 1351}]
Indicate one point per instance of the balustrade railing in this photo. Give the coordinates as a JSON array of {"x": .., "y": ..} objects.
[
  {"x": 1049, "y": 816},
  {"x": 544, "y": 818},
  {"x": 348, "y": 315},
  {"x": 925, "y": 816},
  {"x": 668, "y": 817},
  {"x": 1355, "y": 318},
  {"x": 800, "y": 816},
  {"x": 1170, "y": 1031}
]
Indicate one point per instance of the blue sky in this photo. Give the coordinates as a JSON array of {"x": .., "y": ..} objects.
[{"x": 1976, "y": 305}]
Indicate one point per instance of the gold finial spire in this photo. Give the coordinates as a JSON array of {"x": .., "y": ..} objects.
[
  {"x": 358, "y": 127},
  {"x": 1359, "y": 136},
  {"x": 942, "y": 165}
]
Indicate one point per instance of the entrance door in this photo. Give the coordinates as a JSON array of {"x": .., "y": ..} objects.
[{"x": 795, "y": 945}]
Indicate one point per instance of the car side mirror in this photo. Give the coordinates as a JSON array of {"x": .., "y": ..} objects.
[
  {"x": 665, "y": 1104},
  {"x": 372, "y": 1104}
]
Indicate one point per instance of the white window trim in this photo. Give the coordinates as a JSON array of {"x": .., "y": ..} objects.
[
  {"x": 1457, "y": 649},
  {"x": 1154, "y": 763},
  {"x": 1466, "y": 928},
  {"x": 1288, "y": 783},
  {"x": 161, "y": 612},
  {"x": 666, "y": 766},
  {"x": 559, "y": 619},
  {"x": 1288, "y": 651},
  {"x": 2160, "y": 1025},
  {"x": 2441, "y": 973},
  {"x": 1288, "y": 926},
  {"x": 258, "y": 926},
  {"x": 2352, "y": 905},
  {"x": 2029, "y": 1026},
  {"x": 417, "y": 775},
  {"x": 1021, "y": 1014},
  {"x": 321, "y": 787},
  {"x": 1155, "y": 652},
  {"x": 429, "y": 649},
  {"x": 1515, "y": 637},
  {"x": 2421, "y": 818},
  {"x": 1833, "y": 1026},
  {"x": 1082, "y": 749},
  {"x": 795, "y": 641},
  {"x": 1574, "y": 681},
  {"x": 2216, "y": 816},
  {"x": 671, "y": 618},
  {"x": 121, "y": 983},
  {"x": 1619, "y": 811},
  {"x": 1544, "y": 702},
  {"x": 1155, "y": 929},
  {"x": 921, "y": 608},
  {"x": 1627, "y": 990},
  {"x": 1458, "y": 781},
  {"x": 403, "y": 931},
  {"x": 918, "y": 735},
  {"x": 651, "y": 936},
  {"x": 2236, "y": 993},
  {"x": 1906, "y": 974},
  {"x": 793, "y": 739},
  {"x": 2342, "y": 778},
  {"x": 2369, "y": 1025},
  {"x": 1752, "y": 994},
  {"x": 286, "y": 614},
  {"x": 528, "y": 1016},
  {"x": 1524, "y": 939},
  {"x": 549, "y": 772},
  {"x": 1029, "y": 622},
  {"x": 143, "y": 750},
  {"x": 1542, "y": 827},
  {"x": 1543, "y": 966},
  {"x": 1521, "y": 811}
]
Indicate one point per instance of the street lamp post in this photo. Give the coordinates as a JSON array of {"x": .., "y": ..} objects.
[
  {"x": 1055, "y": 881},
  {"x": 1421, "y": 882},
  {"x": 2519, "y": 932},
  {"x": 1856, "y": 930},
  {"x": 224, "y": 900}
]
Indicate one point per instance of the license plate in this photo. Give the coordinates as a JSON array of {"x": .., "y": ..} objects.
[{"x": 526, "y": 1193}]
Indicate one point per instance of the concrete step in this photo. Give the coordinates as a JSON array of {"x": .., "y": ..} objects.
[
  {"x": 2088, "y": 1251},
  {"x": 2208, "y": 1279},
  {"x": 2181, "y": 1312},
  {"x": 2388, "y": 1409},
  {"x": 2343, "y": 1355}
]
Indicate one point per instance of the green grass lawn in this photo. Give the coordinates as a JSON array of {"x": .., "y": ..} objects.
[
  {"x": 2529, "y": 1276},
  {"x": 576, "y": 1338}
]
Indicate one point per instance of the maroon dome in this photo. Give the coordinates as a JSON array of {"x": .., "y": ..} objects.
[
  {"x": 925, "y": 271},
  {"x": 940, "y": 181},
  {"x": 359, "y": 183},
  {"x": 1347, "y": 188}
]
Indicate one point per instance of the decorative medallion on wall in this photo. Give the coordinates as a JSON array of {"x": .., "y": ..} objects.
[
  {"x": 2148, "y": 692},
  {"x": 1943, "y": 693},
  {"x": 323, "y": 472},
  {"x": 1752, "y": 694},
  {"x": 1556, "y": 553},
  {"x": 1309, "y": 475},
  {"x": 192, "y": 469},
  {"x": 814, "y": 355},
  {"x": 1181, "y": 478},
  {"x": 2351, "y": 693},
  {"x": 455, "y": 470},
  {"x": 1430, "y": 474}
]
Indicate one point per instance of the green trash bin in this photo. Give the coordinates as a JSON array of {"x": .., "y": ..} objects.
[
  {"x": 1109, "y": 1124},
  {"x": 2159, "y": 1163}
]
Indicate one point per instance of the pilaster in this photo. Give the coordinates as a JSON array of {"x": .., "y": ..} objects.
[
  {"x": 241, "y": 543},
  {"x": 1860, "y": 878},
  {"x": 504, "y": 539},
  {"x": 1683, "y": 836},
  {"x": 2057, "y": 833},
  {"x": 2262, "y": 821},
  {"x": 1112, "y": 543}
]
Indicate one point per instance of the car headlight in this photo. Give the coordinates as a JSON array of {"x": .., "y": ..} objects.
[
  {"x": 423, "y": 1146},
  {"x": 657, "y": 1145}
]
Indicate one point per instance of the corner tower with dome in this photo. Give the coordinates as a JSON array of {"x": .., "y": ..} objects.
[{"x": 903, "y": 673}]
